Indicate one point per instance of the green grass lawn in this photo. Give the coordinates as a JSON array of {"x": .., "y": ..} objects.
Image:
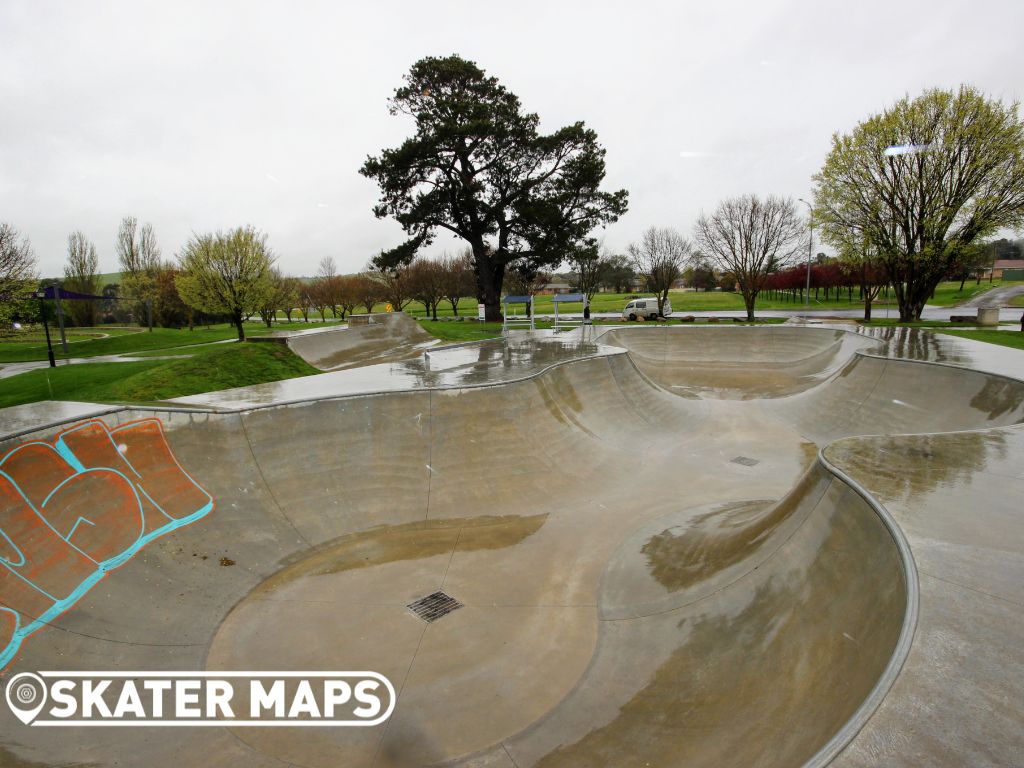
[
  {"x": 1003, "y": 338},
  {"x": 221, "y": 366},
  {"x": 82, "y": 342}
]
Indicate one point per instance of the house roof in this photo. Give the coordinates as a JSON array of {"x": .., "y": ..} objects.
[{"x": 1009, "y": 264}]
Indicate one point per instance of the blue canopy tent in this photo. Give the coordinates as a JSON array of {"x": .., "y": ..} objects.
[
  {"x": 517, "y": 322},
  {"x": 55, "y": 293},
  {"x": 563, "y": 324}
]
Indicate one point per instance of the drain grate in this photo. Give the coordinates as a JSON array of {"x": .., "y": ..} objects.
[
  {"x": 746, "y": 461},
  {"x": 434, "y": 606}
]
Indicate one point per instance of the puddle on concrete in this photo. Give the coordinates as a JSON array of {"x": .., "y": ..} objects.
[{"x": 409, "y": 541}]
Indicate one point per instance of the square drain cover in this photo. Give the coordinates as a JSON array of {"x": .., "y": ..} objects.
[
  {"x": 746, "y": 461},
  {"x": 434, "y": 606}
]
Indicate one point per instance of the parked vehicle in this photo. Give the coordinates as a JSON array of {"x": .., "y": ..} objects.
[{"x": 645, "y": 308}]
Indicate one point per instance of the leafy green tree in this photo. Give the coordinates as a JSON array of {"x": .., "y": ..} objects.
[
  {"x": 619, "y": 274},
  {"x": 478, "y": 167},
  {"x": 169, "y": 310},
  {"x": 700, "y": 275},
  {"x": 227, "y": 273},
  {"x": 922, "y": 181},
  {"x": 18, "y": 276}
]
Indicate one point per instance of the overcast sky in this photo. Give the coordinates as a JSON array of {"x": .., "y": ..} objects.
[{"x": 210, "y": 115}]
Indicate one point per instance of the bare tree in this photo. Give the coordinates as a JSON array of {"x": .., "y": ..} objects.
[
  {"x": 369, "y": 291},
  {"x": 17, "y": 272},
  {"x": 659, "y": 257},
  {"x": 282, "y": 295},
  {"x": 327, "y": 287},
  {"x": 426, "y": 284},
  {"x": 394, "y": 283},
  {"x": 749, "y": 237},
  {"x": 81, "y": 275},
  {"x": 127, "y": 246},
  {"x": 320, "y": 296},
  {"x": 306, "y": 291},
  {"x": 348, "y": 294},
  {"x": 458, "y": 278},
  {"x": 525, "y": 279},
  {"x": 139, "y": 257},
  {"x": 291, "y": 289},
  {"x": 149, "y": 250},
  {"x": 591, "y": 265}
]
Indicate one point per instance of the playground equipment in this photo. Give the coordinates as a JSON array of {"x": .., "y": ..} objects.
[{"x": 513, "y": 322}]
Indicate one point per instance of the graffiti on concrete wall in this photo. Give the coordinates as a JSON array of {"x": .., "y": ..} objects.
[{"x": 78, "y": 506}]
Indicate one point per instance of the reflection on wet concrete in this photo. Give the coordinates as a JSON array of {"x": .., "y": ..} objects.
[
  {"x": 934, "y": 346},
  {"x": 682, "y": 556},
  {"x": 409, "y": 541},
  {"x": 938, "y": 461},
  {"x": 489, "y": 362},
  {"x": 728, "y": 680}
]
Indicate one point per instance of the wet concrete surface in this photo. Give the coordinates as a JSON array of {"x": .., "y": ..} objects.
[
  {"x": 653, "y": 571},
  {"x": 365, "y": 340}
]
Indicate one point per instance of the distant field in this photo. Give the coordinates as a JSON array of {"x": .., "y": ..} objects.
[{"x": 947, "y": 294}]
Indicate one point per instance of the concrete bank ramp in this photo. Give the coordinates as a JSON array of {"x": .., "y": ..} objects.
[
  {"x": 873, "y": 395},
  {"x": 368, "y": 339}
]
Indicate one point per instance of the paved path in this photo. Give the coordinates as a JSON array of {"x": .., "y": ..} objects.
[{"x": 997, "y": 297}]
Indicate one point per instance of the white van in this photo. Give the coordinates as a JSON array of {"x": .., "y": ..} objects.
[{"x": 645, "y": 308}]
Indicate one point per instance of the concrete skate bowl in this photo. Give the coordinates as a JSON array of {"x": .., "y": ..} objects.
[
  {"x": 632, "y": 594},
  {"x": 368, "y": 339},
  {"x": 738, "y": 361}
]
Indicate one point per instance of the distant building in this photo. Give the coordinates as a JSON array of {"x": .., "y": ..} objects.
[
  {"x": 1004, "y": 264},
  {"x": 549, "y": 289}
]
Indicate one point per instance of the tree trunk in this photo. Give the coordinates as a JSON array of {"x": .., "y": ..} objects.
[
  {"x": 867, "y": 310},
  {"x": 489, "y": 277},
  {"x": 748, "y": 301},
  {"x": 236, "y": 318}
]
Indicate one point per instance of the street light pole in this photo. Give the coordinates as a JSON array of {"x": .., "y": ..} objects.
[
  {"x": 810, "y": 247},
  {"x": 42, "y": 311}
]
